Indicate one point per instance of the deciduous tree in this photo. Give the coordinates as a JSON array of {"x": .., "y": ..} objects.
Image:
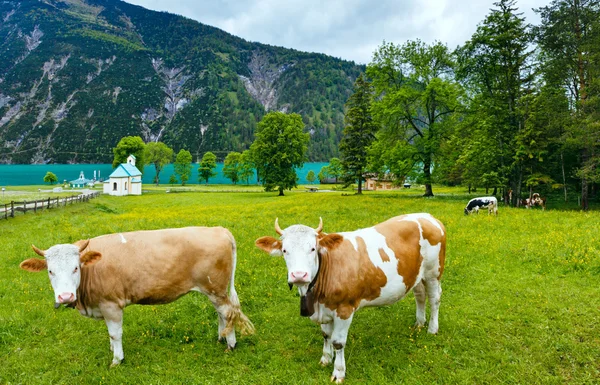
[
  {"x": 50, "y": 177},
  {"x": 280, "y": 147},
  {"x": 183, "y": 165},
  {"x": 160, "y": 155},
  {"x": 207, "y": 166},
  {"x": 232, "y": 166},
  {"x": 130, "y": 145}
]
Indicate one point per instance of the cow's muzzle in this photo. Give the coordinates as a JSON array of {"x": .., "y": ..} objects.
[{"x": 66, "y": 297}]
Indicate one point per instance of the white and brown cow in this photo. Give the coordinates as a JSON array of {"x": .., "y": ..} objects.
[
  {"x": 103, "y": 275},
  {"x": 339, "y": 273}
]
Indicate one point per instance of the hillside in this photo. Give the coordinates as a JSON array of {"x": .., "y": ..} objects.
[{"x": 77, "y": 75}]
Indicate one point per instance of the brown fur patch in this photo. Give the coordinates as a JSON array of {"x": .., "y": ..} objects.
[
  {"x": 90, "y": 257},
  {"x": 383, "y": 255},
  {"x": 347, "y": 276},
  {"x": 268, "y": 244},
  {"x": 34, "y": 264},
  {"x": 403, "y": 238}
]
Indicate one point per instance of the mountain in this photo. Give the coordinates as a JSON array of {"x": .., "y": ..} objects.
[{"x": 78, "y": 75}]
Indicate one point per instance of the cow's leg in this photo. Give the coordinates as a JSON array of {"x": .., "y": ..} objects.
[
  {"x": 420, "y": 298},
  {"x": 338, "y": 340},
  {"x": 113, "y": 317},
  {"x": 434, "y": 292},
  {"x": 225, "y": 312},
  {"x": 327, "y": 330}
]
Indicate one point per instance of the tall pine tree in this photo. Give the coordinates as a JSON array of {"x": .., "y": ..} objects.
[{"x": 358, "y": 134}]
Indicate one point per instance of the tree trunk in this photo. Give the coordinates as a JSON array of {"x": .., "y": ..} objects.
[
  {"x": 359, "y": 191},
  {"x": 584, "y": 183},
  {"x": 280, "y": 191},
  {"x": 427, "y": 172},
  {"x": 562, "y": 164}
]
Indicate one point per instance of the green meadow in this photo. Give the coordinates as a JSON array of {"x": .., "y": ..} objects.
[{"x": 520, "y": 302}]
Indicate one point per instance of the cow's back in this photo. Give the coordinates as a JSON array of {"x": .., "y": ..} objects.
[{"x": 158, "y": 266}]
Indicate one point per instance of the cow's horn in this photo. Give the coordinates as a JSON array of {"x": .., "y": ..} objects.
[
  {"x": 39, "y": 252},
  {"x": 277, "y": 228},
  {"x": 84, "y": 245},
  {"x": 320, "y": 227}
]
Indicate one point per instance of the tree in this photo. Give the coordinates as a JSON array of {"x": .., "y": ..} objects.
[
  {"x": 160, "y": 155},
  {"x": 279, "y": 147},
  {"x": 246, "y": 166},
  {"x": 569, "y": 39},
  {"x": 183, "y": 165},
  {"x": 130, "y": 145},
  {"x": 416, "y": 101},
  {"x": 50, "y": 177},
  {"x": 323, "y": 174},
  {"x": 495, "y": 66},
  {"x": 172, "y": 179},
  {"x": 358, "y": 133},
  {"x": 232, "y": 166},
  {"x": 334, "y": 169},
  {"x": 207, "y": 165},
  {"x": 311, "y": 177}
]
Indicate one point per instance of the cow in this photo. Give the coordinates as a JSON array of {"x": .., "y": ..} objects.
[
  {"x": 338, "y": 273},
  {"x": 536, "y": 200},
  {"x": 475, "y": 204},
  {"x": 101, "y": 276}
]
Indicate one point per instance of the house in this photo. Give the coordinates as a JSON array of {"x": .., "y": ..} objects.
[
  {"x": 81, "y": 182},
  {"x": 126, "y": 179},
  {"x": 373, "y": 182}
]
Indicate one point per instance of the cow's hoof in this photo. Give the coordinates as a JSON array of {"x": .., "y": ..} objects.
[
  {"x": 337, "y": 380},
  {"x": 221, "y": 339},
  {"x": 325, "y": 361},
  {"x": 230, "y": 348},
  {"x": 338, "y": 376},
  {"x": 115, "y": 363},
  {"x": 419, "y": 324}
]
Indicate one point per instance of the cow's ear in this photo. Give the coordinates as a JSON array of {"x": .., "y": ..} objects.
[
  {"x": 269, "y": 245},
  {"x": 34, "y": 264},
  {"x": 330, "y": 241},
  {"x": 90, "y": 257}
]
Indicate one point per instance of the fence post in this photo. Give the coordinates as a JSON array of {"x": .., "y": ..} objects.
[
  {"x": 24, "y": 207},
  {"x": 5, "y": 211},
  {"x": 48, "y": 203},
  {"x": 35, "y": 207},
  {"x": 12, "y": 209}
]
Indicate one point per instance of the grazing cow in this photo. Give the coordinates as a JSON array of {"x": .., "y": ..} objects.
[
  {"x": 337, "y": 274},
  {"x": 536, "y": 200},
  {"x": 475, "y": 204},
  {"x": 102, "y": 275}
]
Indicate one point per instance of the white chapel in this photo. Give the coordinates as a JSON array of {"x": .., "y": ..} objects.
[{"x": 125, "y": 180}]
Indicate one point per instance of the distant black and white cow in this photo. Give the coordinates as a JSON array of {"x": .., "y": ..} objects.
[{"x": 475, "y": 204}]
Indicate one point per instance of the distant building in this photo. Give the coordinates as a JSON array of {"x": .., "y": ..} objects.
[
  {"x": 372, "y": 182},
  {"x": 125, "y": 180},
  {"x": 81, "y": 182}
]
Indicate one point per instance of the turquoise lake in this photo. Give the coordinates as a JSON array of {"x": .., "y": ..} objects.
[{"x": 33, "y": 174}]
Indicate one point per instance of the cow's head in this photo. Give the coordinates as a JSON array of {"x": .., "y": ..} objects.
[
  {"x": 64, "y": 264},
  {"x": 299, "y": 245}
]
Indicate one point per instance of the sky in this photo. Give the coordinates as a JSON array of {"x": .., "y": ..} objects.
[{"x": 347, "y": 29}]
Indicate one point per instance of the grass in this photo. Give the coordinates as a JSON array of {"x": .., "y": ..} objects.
[{"x": 520, "y": 302}]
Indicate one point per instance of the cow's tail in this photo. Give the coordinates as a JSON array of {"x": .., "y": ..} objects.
[{"x": 236, "y": 318}]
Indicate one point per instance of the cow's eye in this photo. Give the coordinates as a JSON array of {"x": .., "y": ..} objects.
[
  {"x": 313, "y": 249},
  {"x": 284, "y": 251},
  {"x": 75, "y": 271},
  {"x": 50, "y": 271}
]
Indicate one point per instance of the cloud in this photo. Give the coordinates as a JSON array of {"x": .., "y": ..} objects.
[{"x": 348, "y": 29}]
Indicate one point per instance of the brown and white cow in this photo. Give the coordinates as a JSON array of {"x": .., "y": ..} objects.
[
  {"x": 103, "y": 275},
  {"x": 339, "y": 273}
]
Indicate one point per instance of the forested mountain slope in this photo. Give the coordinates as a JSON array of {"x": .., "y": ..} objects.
[{"x": 77, "y": 75}]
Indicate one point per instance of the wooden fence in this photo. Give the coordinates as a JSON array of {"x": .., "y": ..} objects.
[{"x": 9, "y": 209}]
